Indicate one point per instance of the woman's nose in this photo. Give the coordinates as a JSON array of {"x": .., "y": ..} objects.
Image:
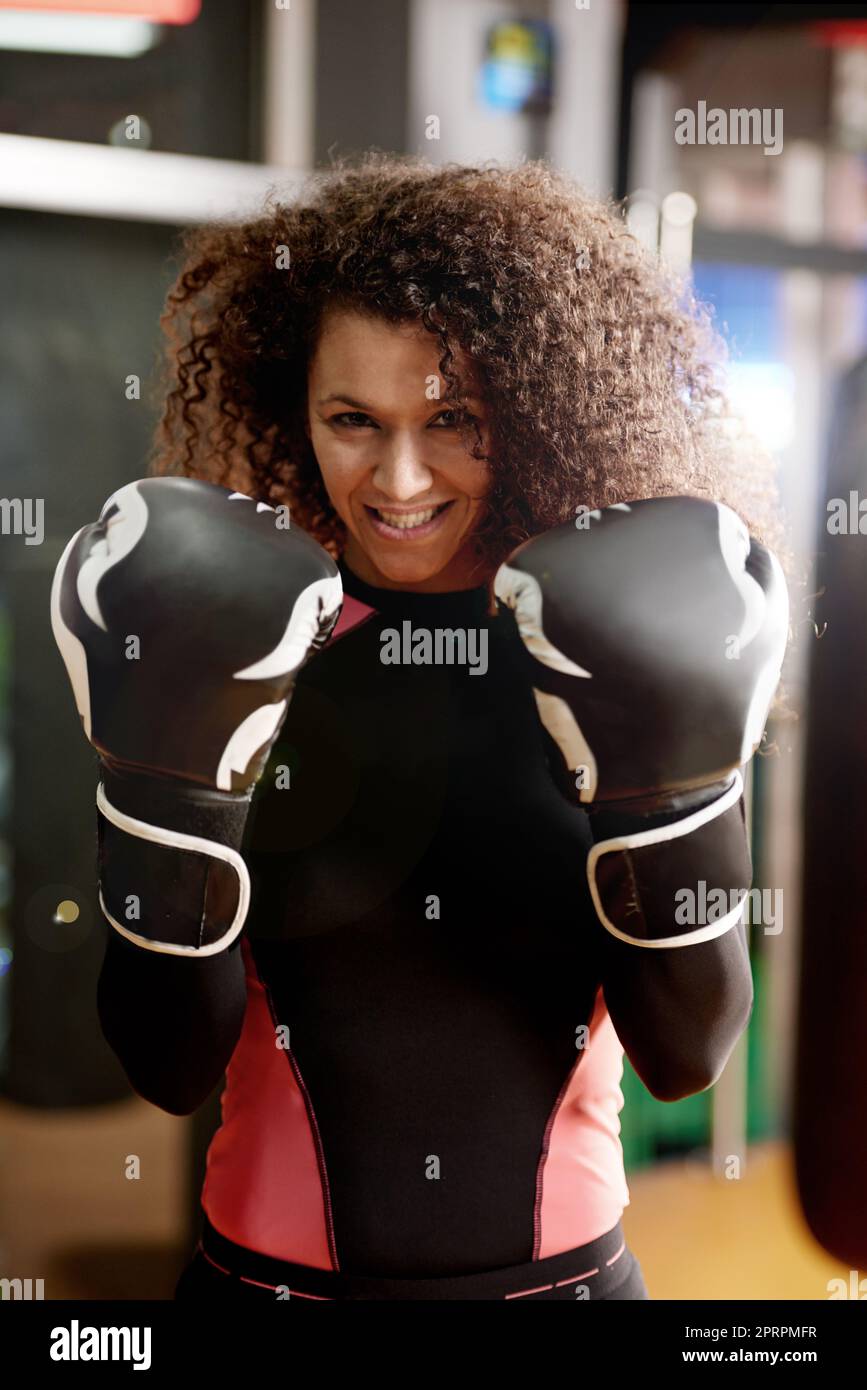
[{"x": 401, "y": 474}]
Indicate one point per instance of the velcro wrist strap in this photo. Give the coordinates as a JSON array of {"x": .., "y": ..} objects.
[
  {"x": 679, "y": 884},
  {"x": 167, "y": 891}
]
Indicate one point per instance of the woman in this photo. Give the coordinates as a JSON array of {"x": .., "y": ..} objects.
[{"x": 429, "y": 366}]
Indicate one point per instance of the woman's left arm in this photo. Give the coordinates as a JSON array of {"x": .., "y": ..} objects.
[
  {"x": 654, "y": 633},
  {"x": 678, "y": 1009}
]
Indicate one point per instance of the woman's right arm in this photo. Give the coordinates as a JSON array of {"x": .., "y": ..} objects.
[
  {"x": 183, "y": 616},
  {"x": 172, "y": 1022}
]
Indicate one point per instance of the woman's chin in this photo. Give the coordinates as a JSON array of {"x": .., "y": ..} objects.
[
  {"x": 408, "y": 568},
  {"x": 408, "y": 563}
]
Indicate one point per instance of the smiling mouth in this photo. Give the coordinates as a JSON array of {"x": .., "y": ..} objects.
[{"x": 406, "y": 522}]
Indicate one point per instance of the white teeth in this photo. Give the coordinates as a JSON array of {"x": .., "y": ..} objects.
[{"x": 403, "y": 522}]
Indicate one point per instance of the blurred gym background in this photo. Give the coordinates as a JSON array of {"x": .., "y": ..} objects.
[{"x": 120, "y": 123}]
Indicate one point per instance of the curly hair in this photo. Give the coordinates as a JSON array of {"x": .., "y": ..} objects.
[
  {"x": 600, "y": 370},
  {"x": 602, "y": 374}
]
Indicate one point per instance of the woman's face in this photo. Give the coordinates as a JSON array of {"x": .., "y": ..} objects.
[{"x": 394, "y": 464}]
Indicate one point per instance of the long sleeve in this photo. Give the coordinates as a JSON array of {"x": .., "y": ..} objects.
[
  {"x": 678, "y": 1010},
  {"x": 173, "y": 1023},
  {"x": 172, "y": 1020}
]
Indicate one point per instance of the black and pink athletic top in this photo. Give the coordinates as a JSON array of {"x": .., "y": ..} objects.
[{"x": 422, "y": 1076}]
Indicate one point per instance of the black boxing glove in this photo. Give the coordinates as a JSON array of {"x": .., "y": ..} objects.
[
  {"x": 183, "y": 616},
  {"x": 654, "y": 633}
]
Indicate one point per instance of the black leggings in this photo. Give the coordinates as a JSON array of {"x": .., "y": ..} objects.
[{"x": 603, "y": 1270}]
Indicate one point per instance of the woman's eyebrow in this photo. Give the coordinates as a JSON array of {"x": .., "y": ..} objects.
[
  {"x": 360, "y": 405},
  {"x": 347, "y": 400}
]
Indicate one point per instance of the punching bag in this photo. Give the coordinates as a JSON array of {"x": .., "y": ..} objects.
[{"x": 830, "y": 1099}]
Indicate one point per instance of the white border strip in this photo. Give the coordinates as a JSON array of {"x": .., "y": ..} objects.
[
  {"x": 70, "y": 176},
  {"x": 652, "y": 837},
  {"x": 173, "y": 839}
]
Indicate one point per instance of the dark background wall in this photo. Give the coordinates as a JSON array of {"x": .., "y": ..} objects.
[{"x": 82, "y": 301}]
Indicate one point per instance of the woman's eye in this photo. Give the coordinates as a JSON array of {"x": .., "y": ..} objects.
[
  {"x": 356, "y": 419},
  {"x": 351, "y": 418},
  {"x": 457, "y": 417}
]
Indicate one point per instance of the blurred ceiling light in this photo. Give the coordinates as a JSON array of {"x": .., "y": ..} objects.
[
  {"x": 679, "y": 209},
  {"x": 142, "y": 185},
  {"x": 156, "y": 11},
  {"x": 675, "y": 238},
  {"x": 642, "y": 217},
  {"x": 110, "y": 36}
]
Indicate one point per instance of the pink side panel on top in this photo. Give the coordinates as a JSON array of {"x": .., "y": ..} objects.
[
  {"x": 581, "y": 1185},
  {"x": 263, "y": 1186},
  {"x": 352, "y": 613}
]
